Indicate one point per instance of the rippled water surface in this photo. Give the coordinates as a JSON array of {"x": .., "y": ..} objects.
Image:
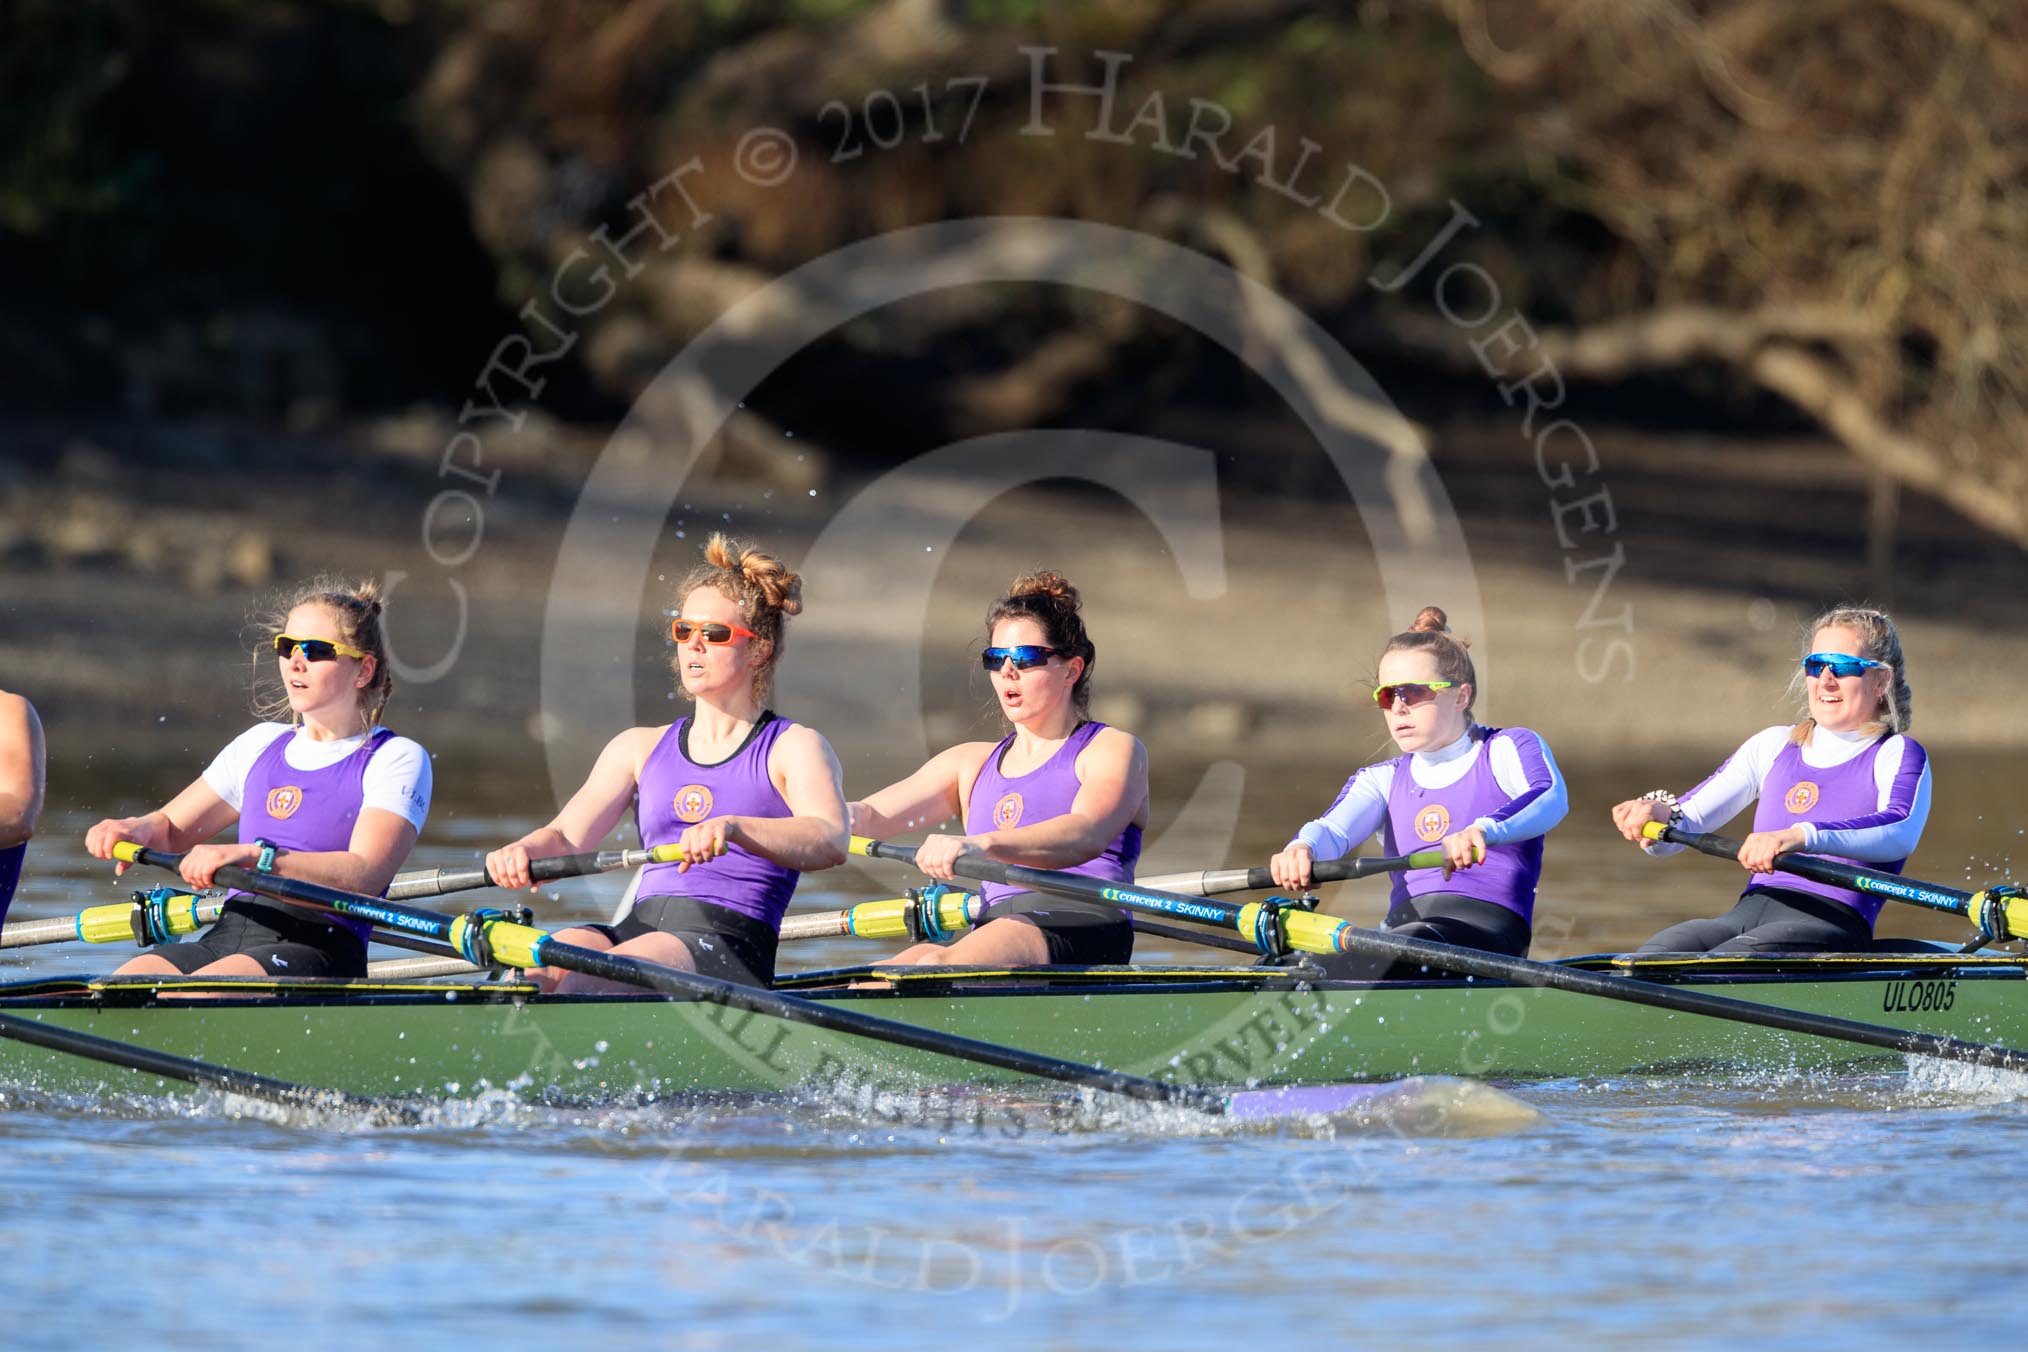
[{"x": 1819, "y": 1210}]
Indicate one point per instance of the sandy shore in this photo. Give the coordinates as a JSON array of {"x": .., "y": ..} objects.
[{"x": 122, "y": 603}]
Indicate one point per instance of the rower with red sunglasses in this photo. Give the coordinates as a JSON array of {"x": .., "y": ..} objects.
[
  {"x": 1484, "y": 796},
  {"x": 753, "y": 800},
  {"x": 329, "y": 796},
  {"x": 1845, "y": 781},
  {"x": 1058, "y": 791}
]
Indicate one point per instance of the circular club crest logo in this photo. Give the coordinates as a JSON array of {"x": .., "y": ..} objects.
[
  {"x": 1801, "y": 798},
  {"x": 693, "y": 803},
  {"x": 283, "y": 802},
  {"x": 1433, "y": 822},
  {"x": 1007, "y": 812}
]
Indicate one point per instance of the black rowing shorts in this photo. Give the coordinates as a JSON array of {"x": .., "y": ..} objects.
[
  {"x": 724, "y": 943},
  {"x": 1079, "y": 933},
  {"x": 285, "y": 942}
]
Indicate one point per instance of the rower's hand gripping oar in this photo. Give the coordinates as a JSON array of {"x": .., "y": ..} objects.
[
  {"x": 1212, "y": 881},
  {"x": 438, "y": 882},
  {"x": 2000, "y": 912},
  {"x": 1321, "y": 934},
  {"x": 484, "y": 937}
]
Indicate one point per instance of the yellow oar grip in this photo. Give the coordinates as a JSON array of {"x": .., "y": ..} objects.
[
  {"x": 1654, "y": 830},
  {"x": 861, "y": 846},
  {"x": 667, "y": 854},
  {"x": 127, "y": 852}
]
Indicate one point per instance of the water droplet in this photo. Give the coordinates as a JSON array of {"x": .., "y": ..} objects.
[
  {"x": 788, "y": 433},
  {"x": 679, "y": 534},
  {"x": 928, "y": 549},
  {"x": 813, "y": 492}
]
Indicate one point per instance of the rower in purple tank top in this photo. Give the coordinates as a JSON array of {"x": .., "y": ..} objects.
[
  {"x": 1845, "y": 782},
  {"x": 1057, "y": 792},
  {"x": 21, "y": 788},
  {"x": 752, "y": 800},
  {"x": 329, "y": 797},
  {"x": 1483, "y": 796}
]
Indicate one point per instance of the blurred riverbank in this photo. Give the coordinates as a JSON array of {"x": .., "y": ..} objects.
[{"x": 128, "y": 577}]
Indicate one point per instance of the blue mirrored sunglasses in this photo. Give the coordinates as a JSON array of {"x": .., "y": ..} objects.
[
  {"x": 1023, "y": 657},
  {"x": 1842, "y": 666}
]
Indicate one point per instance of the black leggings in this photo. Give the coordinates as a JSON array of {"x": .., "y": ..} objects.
[
  {"x": 1770, "y": 920},
  {"x": 1441, "y": 917}
]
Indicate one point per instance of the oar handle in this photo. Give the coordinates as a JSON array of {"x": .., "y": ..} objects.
[
  {"x": 441, "y": 881},
  {"x": 2000, "y": 912},
  {"x": 1212, "y": 881}
]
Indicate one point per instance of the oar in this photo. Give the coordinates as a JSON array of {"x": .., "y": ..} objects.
[
  {"x": 151, "y": 1062},
  {"x": 1207, "y": 882},
  {"x": 162, "y": 916},
  {"x": 484, "y": 939},
  {"x": 928, "y": 913},
  {"x": 2000, "y": 912},
  {"x": 1322, "y": 934},
  {"x": 437, "y": 882},
  {"x": 150, "y": 918}
]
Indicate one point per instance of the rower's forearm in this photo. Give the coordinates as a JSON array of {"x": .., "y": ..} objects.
[
  {"x": 1058, "y": 843},
  {"x": 804, "y": 844},
  {"x": 338, "y": 868}
]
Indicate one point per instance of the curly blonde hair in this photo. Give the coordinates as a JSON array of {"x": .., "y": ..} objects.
[{"x": 763, "y": 588}]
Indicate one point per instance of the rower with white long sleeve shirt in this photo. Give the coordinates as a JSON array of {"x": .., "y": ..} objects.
[
  {"x": 1845, "y": 783},
  {"x": 1484, "y": 796}
]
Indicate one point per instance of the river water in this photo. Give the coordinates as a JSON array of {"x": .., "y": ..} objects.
[{"x": 1821, "y": 1209}]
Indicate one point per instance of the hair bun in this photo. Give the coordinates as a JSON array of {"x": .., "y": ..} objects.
[
  {"x": 1047, "y": 583},
  {"x": 1432, "y": 620}
]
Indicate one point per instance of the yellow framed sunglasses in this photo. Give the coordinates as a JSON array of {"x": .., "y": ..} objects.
[{"x": 315, "y": 649}]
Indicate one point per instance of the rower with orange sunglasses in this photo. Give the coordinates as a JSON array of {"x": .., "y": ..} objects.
[
  {"x": 1845, "y": 781},
  {"x": 1484, "y": 796},
  {"x": 329, "y": 796},
  {"x": 752, "y": 799}
]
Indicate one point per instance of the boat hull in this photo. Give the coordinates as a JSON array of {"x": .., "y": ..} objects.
[{"x": 1230, "y": 1027}]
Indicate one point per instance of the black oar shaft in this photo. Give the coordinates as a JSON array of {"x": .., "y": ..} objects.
[
  {"x": 1215, "y": 880},
  {"x": 671, "y": 981},
  {"x": 438, "y": 882},
  {"x": 149, "y": 1061},
  {"x": 1400, "y": 948},
  {"x": 793, "y": 1009},
  {"x": 2000, "y": 912}
]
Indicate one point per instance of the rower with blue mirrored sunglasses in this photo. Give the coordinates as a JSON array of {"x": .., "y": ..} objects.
[
  {"x": 1024, "y": 656},
  {"x": 315, "y": 649},
  {"x": 1842, "y": 665}
]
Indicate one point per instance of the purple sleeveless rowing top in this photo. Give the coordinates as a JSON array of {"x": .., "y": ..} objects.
[
  {"x": 10, "y": 874},
  {"x": 1000, "y": 802},
  {"x": 313, "y": 811},
  {"x": 1417, "y": 818},
  {"x": 677, "y": 793},
  {"x": 1795, "y": 791}
]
